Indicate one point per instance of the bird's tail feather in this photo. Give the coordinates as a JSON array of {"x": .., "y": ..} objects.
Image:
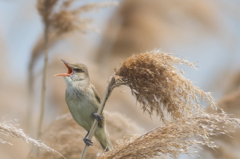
[{"x": 106, "y": 147}]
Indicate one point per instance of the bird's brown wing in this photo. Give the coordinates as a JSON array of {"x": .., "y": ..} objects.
[
  {"x": 96, "y": 93},
  {"x": 100, "y": 123}
]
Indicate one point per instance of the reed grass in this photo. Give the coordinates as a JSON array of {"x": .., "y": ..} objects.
[
  {"x": 228, "y": 146},
  {"x": 45, "y": 8},
  {"x": 175, "y": 138},
  {"x": 158, "y": 85},
  {"x": 9, "y": 130}
]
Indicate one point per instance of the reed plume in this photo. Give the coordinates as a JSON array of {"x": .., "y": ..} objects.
[
  {"x": 9, "y": 130},
  {"x": 67, "y": 20},
  {"x": 65, "y": 135},
  {"x": 63, "y": 22},
  {"x": 175, "y": 138},
  {"x": 158, "y": 85},
  {"x": 228, "y": 147}
]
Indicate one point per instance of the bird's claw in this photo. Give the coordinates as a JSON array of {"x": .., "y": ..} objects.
[
  {"x": 98, "y": 117},
  {"x": 88, "y": 141}
]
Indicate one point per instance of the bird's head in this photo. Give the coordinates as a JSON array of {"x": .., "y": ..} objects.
[{"x": 77, "y": 74}]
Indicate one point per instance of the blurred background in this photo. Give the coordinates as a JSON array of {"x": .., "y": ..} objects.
[{"x": 202, "y": 31}]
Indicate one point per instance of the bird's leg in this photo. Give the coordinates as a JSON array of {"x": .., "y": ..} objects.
[
  {"x": 86, "y": 134},
  {"x": 99, "y": 118},
  {"x": 87, "y": 141}
]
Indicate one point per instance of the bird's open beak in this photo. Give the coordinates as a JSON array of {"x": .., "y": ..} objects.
[{"x": 70, "y": 70}]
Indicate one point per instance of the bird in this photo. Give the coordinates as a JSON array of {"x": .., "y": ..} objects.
[{"x": 83, "y": 102}]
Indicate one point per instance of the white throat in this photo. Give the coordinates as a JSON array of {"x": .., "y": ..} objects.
[{"x": 78, "y": 84}]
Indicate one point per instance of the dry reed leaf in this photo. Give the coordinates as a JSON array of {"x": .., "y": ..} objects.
[
  {"x": 66, "y": 136},
  {"x": 8, "y": 129},
  {"x": 158, "y": 85},
  {"x": 175, "y": 138}
]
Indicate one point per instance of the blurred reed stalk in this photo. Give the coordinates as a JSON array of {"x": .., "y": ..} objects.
[
  {"x": 158, "y": 86},
  {"x": 44, "y": 78},
  {"x": 45, "y": 9}
]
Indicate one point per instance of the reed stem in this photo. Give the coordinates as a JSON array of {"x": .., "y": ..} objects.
[
  {"x": 99, "y": 112},
  {"x": 44, "y": 77},
  {"x": 30, "y": 105}
]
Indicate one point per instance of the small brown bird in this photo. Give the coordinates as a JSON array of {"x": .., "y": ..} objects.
[{"x": 83, "y": 102}]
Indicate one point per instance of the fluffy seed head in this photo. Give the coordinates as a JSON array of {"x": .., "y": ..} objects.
[
  {"x": 174, "y": 138},
  {"x": 66, "y": 18},
  {"x": 45, "y": 8},
  {"x": 228, "y": 147},
  {"x": 158, "y": 85},
  {"x": 8, "y": 129}
]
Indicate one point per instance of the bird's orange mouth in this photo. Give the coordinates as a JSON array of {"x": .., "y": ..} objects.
[{"x": 70, "y": 70}]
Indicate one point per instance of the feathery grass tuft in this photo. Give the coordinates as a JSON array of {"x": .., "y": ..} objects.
[
  {"x": 174, "y": 138},
  {"x": 7, "y": 129},
  {"x": 45, "y": 8},
  {"x": 228, "y": 147},
  {"x": 66, "y": 18},
  {"x": 158, "y": 85}
]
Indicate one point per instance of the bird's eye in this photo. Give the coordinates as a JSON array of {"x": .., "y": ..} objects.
[{"x": 78, "y": 70}]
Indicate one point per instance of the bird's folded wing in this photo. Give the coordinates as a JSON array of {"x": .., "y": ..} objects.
[
  {"x": 100, "y": 123},
  {"x": 95, "y": 93}
]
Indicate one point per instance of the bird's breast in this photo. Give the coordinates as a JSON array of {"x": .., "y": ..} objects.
[{"x": 82, "y": 107}]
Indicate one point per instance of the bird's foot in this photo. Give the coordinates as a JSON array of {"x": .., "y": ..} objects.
[
  {"x": 88, "y": 141},
  {"x": 99, "y": 118}
]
